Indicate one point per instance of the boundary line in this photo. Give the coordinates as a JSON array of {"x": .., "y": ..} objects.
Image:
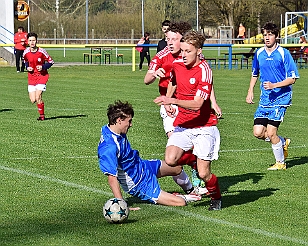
[
  {"x": 90, "y": 157},
  {"x": 181, "y": 212}
]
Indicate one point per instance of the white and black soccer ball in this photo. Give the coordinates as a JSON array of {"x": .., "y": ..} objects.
[{"x": 115, "y": 210}]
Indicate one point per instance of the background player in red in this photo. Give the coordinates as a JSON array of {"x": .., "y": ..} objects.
[
  {"x": 195, "y": 123},
  {"x": 20, "y": 41},
  {"x": 37, "y": 62}
]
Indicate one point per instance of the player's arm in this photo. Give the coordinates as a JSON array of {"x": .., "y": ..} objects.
[
  {"x": 170, "y": 92},
  {"x": 249, "y": 97},
  {"x": 214, "y": 104},
  {"x": 115, "y": 186},
  {"x": 15, "y": 39},
  {"x": 151, "y": 75},
  {"x": 269, "y": 85},
  {"x": 194, "y": 104}
]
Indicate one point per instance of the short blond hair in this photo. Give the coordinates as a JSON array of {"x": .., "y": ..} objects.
[{"x": 195, "y": 38}]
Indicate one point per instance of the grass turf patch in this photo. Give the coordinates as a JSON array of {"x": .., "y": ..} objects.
[{"x": 52, "y": 190}]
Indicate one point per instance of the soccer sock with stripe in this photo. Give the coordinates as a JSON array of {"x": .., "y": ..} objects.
[
  {"x": 183, "y": 181},
  {"x": 213, "y": 187},
  {"x": 41, "y": 109}
]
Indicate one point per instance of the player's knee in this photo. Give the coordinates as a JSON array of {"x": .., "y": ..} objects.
[
  {"x": 204, "y": 175},
  {"x": 170, "y": 160},
  {"x": 32, "y": 100},
  {"x": 259, "y": 134}
]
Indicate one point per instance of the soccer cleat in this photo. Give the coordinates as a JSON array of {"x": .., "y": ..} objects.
[
  {"x": 278, "y": 166},
  {"x": 285, "y": 147},
  {"x": 200, "y": 191},
  {"x": 215, "y": 205},
  {"x": 190, "y": 197},
  {"x": 41, "y": 118},
  {"x": 189, "y": 191}
]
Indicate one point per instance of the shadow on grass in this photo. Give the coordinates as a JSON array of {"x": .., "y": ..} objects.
[
  {"x": 233, "y": 198},
  {"x": 5, "y": 110},
  {"x": 295, "y": 161},
  {"x": 240, "y": 197},
  {"x": 66, "y": 117}
]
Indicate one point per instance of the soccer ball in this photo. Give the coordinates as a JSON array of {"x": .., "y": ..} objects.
[{"x": 115, "y": 210}]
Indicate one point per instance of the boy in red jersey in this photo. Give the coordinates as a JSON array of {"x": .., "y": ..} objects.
[
  {"x": 195, "y": 123},
  {"x": 37, "y": 62},
  {"x": 160, "y": 67},
  {"x": 20, "y": 41}
]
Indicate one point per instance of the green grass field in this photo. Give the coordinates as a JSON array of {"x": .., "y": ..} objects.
[{"x": 52, "y": 191}]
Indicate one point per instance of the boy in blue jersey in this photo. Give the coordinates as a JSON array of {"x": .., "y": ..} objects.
[
  {"x": 277, "y": 71},
  {"x": 124, "y": 167}
]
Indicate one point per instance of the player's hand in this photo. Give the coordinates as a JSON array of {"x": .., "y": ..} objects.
[
  {"x": 268, "y": 85},
  {"x": 217, "y": 110},
  {"x": 39, "y": 68},
  {"x": 171, "y": 111},
  {"x": 159, "y": 73},
  {"x": 29, "y": 69},
  {"x": 249, "y": 98},
  {"x": 162, "y": 100}
]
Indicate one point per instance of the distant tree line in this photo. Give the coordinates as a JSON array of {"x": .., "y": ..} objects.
[{"x": 121, "y": 19}]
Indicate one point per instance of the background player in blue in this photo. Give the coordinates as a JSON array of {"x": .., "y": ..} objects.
[
  {"x": 277, "y": 71},
  {"x": 123, "y": 165}
]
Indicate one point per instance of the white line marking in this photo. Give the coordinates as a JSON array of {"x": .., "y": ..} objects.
[
  {"x": 184, "y": 213},
  {"x": 55, "y": 180},
  {"x": 250, "y": 150},
  {"x": 161, "y": 154}
]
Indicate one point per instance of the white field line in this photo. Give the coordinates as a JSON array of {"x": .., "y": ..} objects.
[
  {"x": 139, "y": 110},
  {"x": 179, "y": 211},
  {"x": 161, "y": 154},
  {"x": 55, "y": 180}
]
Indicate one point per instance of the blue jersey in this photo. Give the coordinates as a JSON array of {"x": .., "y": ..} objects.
[
  {"x": 135, "y": 175},
  {"x": 274, "y": 67}
]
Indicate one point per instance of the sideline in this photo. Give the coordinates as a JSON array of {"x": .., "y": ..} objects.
[{"x": 181, "y": 212}]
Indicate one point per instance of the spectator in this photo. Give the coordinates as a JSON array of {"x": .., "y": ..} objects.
[
  {"x": 145, "y": 53},
  {"x": 20, "y": 41},
  {"x": 241, "y": 33},
  {"x": 163, "y": 42},
  {"x": 302, "y": 40}
]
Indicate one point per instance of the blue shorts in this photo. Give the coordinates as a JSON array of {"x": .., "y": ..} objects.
[
  {"x": 148, "y": 189},
  {"x": 271, "y": 113}
]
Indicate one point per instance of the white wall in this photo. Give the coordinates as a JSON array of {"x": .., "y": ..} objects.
[{"x": 7, "y": 23}]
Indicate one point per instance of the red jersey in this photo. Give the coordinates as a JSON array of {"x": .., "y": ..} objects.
[
  {"x": 40, "y": 57},
  {"x": 163, "y": 59},
  {"x": 20, "y": 45},
  {"x": 196, "y": 81}
]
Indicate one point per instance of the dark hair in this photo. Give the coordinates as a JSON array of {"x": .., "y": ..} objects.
[
  {"x": 32, "y": 34},
  {"x": 22, "y": 28},
  {"x": 146, "y": 34},
  {"x": 119, "y": 110},
  {"x": 166, "y": 23},
  {"x": 195, "y": 38},
  {"x": 270, "y": 27},
  {"x": 180, "y": 27}
]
